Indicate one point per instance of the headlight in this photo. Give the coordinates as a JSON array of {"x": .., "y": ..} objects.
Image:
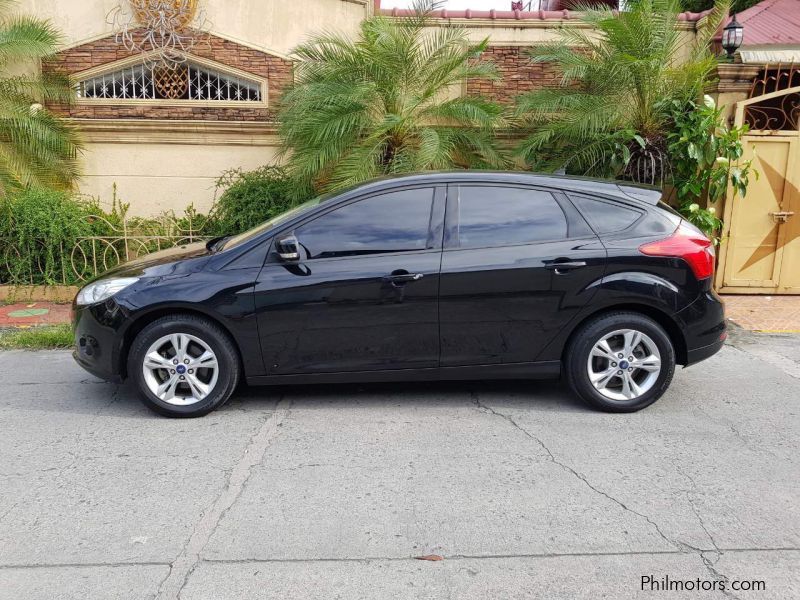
[{"x": 103, "y": 289}]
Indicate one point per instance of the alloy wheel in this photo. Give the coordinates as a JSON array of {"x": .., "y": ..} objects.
[
  {"x": 180, "y": 369},
  {"x": 624, "y": 364}
]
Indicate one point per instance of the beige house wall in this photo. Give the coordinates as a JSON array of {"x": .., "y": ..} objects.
[
  {"x": 166, "y": 166},
  {"x": 156, "y": 178},
  {"x": 276, "y": 26}
]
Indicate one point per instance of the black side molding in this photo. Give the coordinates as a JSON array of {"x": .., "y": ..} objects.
[{"x": 530, "y": 370}]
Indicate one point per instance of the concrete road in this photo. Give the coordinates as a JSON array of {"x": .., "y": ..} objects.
[{"x": 330, "y": 492}]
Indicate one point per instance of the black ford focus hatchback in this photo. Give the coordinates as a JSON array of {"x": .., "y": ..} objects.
[{"x": 466, "y": 275}]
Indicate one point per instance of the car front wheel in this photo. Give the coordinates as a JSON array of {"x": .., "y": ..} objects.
[
  {"x": 620, "y": 362},
  {"x": 184, "y": 366}
]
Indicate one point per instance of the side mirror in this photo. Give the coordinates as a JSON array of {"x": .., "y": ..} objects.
[{"x": 288, "y": 248}]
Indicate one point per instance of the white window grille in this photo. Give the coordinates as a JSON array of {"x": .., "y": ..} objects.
[{"x": 187, "y": 81}]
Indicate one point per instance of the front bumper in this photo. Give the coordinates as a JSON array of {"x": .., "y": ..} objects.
[
  {"x": 95, "y": 369},
  {"x": 98, "y": 339}
]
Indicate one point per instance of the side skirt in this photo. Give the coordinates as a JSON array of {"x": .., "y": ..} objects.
[{"x": 536, "y": 370}]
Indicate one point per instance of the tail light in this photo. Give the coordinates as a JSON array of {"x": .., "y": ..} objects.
[{"x": 687, "y": 243}]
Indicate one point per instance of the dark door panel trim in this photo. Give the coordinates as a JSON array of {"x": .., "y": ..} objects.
[{"x": 527, "y": 370}]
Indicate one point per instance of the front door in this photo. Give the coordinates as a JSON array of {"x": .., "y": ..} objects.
[
  {"x": 364, "y": 295},
  {"x": 515, "y": 270}
]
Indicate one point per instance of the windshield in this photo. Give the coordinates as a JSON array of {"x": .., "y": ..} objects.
[{"x": 235, "y": 240}]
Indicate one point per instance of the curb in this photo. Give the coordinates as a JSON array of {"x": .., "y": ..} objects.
[{"x": 37, "y": 293}]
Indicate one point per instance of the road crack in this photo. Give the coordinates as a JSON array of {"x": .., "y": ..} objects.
[
  {"x": 704, "y": 555},
  {"x": 189, "y": 557},
  {"x": 573, "y": 472},
  {"x": 680, "y": 546}
]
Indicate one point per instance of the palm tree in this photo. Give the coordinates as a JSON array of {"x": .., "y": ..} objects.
[
  {"x": 37, "y": 149},
  {"x": 619, "y": 78},
  {"x": 385, "y": 103}
]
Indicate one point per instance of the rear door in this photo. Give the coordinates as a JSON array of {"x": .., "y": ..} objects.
[
  {"x": 516, "y": 264},
  {"x": 364, "y": 294}
]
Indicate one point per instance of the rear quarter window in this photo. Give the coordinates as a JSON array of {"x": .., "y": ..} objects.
[{"x": 606, "y": 217}]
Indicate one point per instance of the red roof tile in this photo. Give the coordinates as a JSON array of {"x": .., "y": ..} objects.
[
  {"x": 771, "y": 22},
  {"x": 512, "y": 14}
]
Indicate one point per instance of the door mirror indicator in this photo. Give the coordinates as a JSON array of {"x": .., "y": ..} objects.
[{"x": 288, "y": 249}]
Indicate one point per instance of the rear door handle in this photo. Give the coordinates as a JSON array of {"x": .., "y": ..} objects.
[{"x": 563, "y": 267}]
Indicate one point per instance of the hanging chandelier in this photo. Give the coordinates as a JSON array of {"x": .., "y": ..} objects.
[{"x": 164, "y": 30}]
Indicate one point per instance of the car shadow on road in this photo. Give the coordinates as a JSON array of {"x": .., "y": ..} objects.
[
  {"x": 109, "y": 400},
  {"x": 537, "y": 395}
]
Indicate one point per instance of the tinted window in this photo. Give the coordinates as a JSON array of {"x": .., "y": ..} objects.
[
  {"x": 507, "y": 216},
  {"x": 391, "y": 222},
  {"x": 605, "y": 217}
]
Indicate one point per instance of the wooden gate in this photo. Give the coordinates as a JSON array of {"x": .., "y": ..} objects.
[{"x": 760, "y": 250}]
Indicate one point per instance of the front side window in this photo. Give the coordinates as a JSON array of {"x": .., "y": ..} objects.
[
  {"x": 236, "y": 240},
  {"x": 507, "y": 216},
  {"x": 392, "y": 222}
]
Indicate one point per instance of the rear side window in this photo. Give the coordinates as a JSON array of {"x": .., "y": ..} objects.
[
  {"x": 605, "y": 217},
  {"x": 392, "y": 222},
  {"x": 507, "y": 216}
]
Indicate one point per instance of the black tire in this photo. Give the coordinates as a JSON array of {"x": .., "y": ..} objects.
[
  {"x": 589, "y": 334},
  {"x": 229, "y": 368}
]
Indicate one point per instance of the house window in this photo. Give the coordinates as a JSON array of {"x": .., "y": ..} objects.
[{"x": 186, "y": 81}]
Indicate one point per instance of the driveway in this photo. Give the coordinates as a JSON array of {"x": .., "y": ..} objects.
[{"x": 330, "y": 492}]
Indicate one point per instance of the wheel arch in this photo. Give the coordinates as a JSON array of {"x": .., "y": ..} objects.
[
  {"x": 147, "y": 318},
  {"x": 659, "y": 316}
]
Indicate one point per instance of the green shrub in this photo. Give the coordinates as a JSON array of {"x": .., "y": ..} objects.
[
  {"x": 52, "y": 237},
  {"x": 38, "y": 229},
  {"x": 250, "y": 198},
  {"x": 706, "y": 158},
  {"x": 43, "y": 233}
]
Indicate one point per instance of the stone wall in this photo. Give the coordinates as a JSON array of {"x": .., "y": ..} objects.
[
  {"x": 276, "y": 70},
  {"x": 517, "y": 74}
]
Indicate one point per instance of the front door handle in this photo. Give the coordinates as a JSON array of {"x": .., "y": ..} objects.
[
  {"x": 401, "y": 277},
  {"x": 562, "y": 267}
]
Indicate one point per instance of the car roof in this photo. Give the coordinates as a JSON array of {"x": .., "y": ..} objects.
[{"x": 626, "y": 190}]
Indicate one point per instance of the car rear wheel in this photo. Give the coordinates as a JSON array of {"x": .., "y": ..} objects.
[
  {"x": 620, "y": 362},
  {"x": 184, "y": 366}
]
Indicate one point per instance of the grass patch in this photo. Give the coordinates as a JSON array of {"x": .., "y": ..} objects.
[{"x": 43, "y": 337}]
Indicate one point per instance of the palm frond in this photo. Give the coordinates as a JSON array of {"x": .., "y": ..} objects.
[
  {"x": 27, "y": 38},
  {"x": 47, "y": 87},
  {"x": 383, "y": 103},
  {"x": 616, "y": 79},
  {"x": 467, "y": 111},
  {"x": 37, "y": 147}
]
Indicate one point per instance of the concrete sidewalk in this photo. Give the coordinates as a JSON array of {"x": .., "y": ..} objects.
[
  {"x": 28, "y": 314},
  {"x": 770, "y": 314}
]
